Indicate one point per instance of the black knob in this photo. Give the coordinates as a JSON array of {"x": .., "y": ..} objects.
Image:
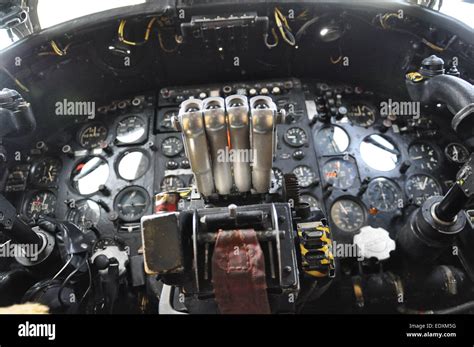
[
  {"x": 432, "y": 66},
  {"x": 101, "y": 262}
]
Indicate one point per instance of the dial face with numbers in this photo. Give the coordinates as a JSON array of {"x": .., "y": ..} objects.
[
  {"x": 172, "y": 146},
  {"x": 348, "y": 215},
  {"x": 296, "y": 137},
  {"x": 420, "y": 187},
  {"x": 131, "y": 129},
  {"x": 310, "y": 200},
  {"x": 40, "y": 203},
  {"x": 423, "y": 155},
  {"x": 361, "y": 115},
  {"x": 305, "y": 175},
  {"x": 278, "y": 175},
  {"x": 171, "y": 183},
  {"x": 340, "y": 173},
  {"x": 384, "y": 195},
  {"x": 93, "y": 136},
  {"x": 85, "y": 214},
  {"x": 45, "y": 172}
]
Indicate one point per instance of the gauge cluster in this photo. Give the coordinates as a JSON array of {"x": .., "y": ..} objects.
[
  {"x": 96, "y": 174},
  {"x": 375, "y": 168},
  {"x": 357, "y": 165}
]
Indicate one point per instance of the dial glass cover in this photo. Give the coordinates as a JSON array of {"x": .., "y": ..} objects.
[
  {"x": 131, "y": 203},
  {"x": 423, "y": 156},
  {"x": 379, "y": 153},
  {"x": 93, "y": 136},
  {"x": 348, "y": 215},
  {"x": 384, "y": 195},
  {"x": 40, "y": 203},
  {"x": 457, "y": 153},
  {"x": 340, "y": 173},
  {"x": 171, "y": 183},
  {"x": 131, "y": 129},
  {"x": 133, "y": 165},
  {"x": 45, "y": 172},
  {"x": 296, "y": 137},
  {"x": 311, "y": 201},
  {"x": 89, "y": 175},
  {"x": 84, "y": 214},
  {"x": 278, "y": 176},
  {"x": 331, "y": 140},
  {"x": 420, "y": 187},
  {"x": 305, "y": 175},
  {"x": 172, "y": 146},
  {"x": 361, "y": 115}
]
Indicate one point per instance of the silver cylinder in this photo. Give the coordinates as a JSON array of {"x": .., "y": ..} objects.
[
  {"x": 238, "y": 120},
  {"x": 195, "y": 143},
  {"x": 263, "y": 112},
  {"x": 216, "y": 130}
]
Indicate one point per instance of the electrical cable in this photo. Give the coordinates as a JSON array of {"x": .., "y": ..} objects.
[
  {"x": 90, "y": 283},
  {"x": 284, "y": 28},
  {"x": 121, "y": 34},
  {"x": 14, "y": 79},
  {"x": 275, "y": 39},
  {"x": 68, "y": 278}
]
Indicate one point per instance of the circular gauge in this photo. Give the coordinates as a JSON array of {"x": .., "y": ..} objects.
[
  {"x": 379, "y": 153},
  {"x": 311, "y": 201},
  {"x": 340, "y": 173},
  {"x": 131, "y": 129},
  {"x": 457, "y": 153},
  {"x": 384, "y": 194},
  {"x": 167, "y": 122},
  {"x": 278, "y": 174},
  {"x": 45, "y": 172},
  {"x": 348, "y": 215},
  {"x": 423, "y": 156},
  {"x": 305, "y": 175},
  {"x": 40, "y": 203},
  {"x": 361, "y": 115},
  {"x": 172, "y": 146},
  {"x": 85, "y": 214},
  {"x": 89, "y": 175},
  {"x": 420, "y": 187},
  {"x": 331, "y": 140},
  {"x": 133, "y": 164},
  {"x": 171, "y": 183},
  {"x": 296, "y": 137},
  {"x": 131, "y": 203},
  {"x": 93, "y": 136}
]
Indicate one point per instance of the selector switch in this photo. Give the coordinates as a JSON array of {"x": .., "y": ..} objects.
[{"x": 185, "y": 164}]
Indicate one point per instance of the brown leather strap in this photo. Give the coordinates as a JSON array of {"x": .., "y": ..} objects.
[{"x": 238, "y": 271}]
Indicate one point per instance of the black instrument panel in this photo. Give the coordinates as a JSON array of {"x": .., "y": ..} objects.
[{"x": 360, "y": 166}]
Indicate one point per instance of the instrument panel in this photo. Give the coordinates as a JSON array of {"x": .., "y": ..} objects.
[{"x": 359, "y": 166}]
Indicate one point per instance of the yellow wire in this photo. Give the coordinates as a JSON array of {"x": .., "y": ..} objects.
[
  {"x": 57, "y": 50},
  {"x": 122, "y": 38},
  {"x": 282, "y": 24},
  {"x": 432, "y": 45},
  {"x": 18, "y": 83}
]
